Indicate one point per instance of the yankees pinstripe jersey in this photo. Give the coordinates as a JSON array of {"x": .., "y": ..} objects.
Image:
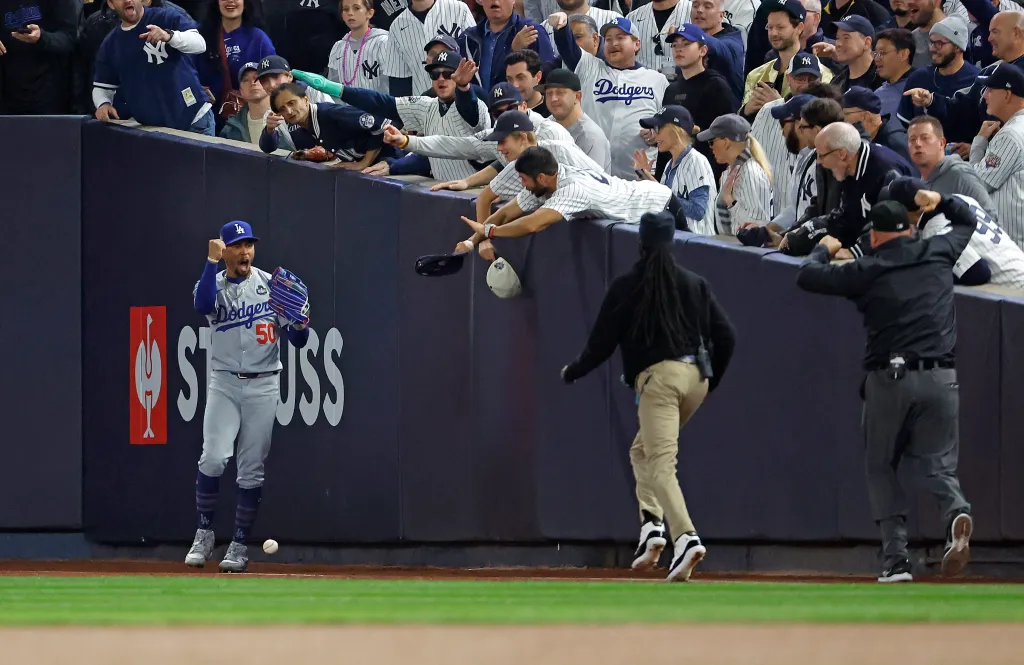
[
  {"x": 476, "y": 148},
  {"x": 694, "y": 171},
  {"x": 616, "y": 99},
  {"x": 1000, "y": 164},
  {"x": 768, "y": 133},
  {"x": 752, "y": 191},
  {"x": 655, "y": 53},
  {"x": 404, "y": 55},
  {"x": 1005, "y": 259},
  {"x": 803, "y": 187},
  {"x": 582, "y": 194},
  {"x": 740, "y": 13},
  {"x": 600, "y": 16},
  {"x": 358, "y": 63},
  {"x": 423, "y": 115},
  {"x": 507, "y": 184}
]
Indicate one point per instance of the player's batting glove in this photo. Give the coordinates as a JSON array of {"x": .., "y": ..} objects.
[{"x": 289, "y": 297}]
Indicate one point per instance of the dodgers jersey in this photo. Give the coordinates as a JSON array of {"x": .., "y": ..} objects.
[
  {"x": 1000, "y": 164},
  {"x": 507, "y": 185},
  {"x": 655, "y": 53},
  {"x": 158, "y": 83},
  {"x": 582, "y": 194},
  {"x": 989, "y": 242},
  {"x": 243, "y": 329},
  {"x": 357, "y": 62},
  {"x": 404, "y": 55}
]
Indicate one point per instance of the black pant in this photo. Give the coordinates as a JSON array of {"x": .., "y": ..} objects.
[{"x": 912, "y": 422}]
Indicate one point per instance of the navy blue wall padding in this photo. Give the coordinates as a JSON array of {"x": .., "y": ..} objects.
[{"x": 1011, "y": 435}]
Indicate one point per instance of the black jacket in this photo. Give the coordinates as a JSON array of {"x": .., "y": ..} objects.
[
  {"x": 36, "y": 78},
  {"x": 870, "y": 79},
  {"x": 614, "y": 327},
  {"x": 869, "y": 9},
  {"x": 894, "y": 139},
  {"x": 706, "y": 96},
  {"x": 904, "y": 289}
]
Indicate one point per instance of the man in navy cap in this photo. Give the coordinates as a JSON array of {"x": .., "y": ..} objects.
[
  {"x": 794, "y": 201},
  {"x": 862, "y": 108},
  {"x": 837, "y": 10},
  {"x": 854, "y": 48}
]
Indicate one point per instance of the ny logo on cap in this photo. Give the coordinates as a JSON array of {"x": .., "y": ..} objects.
[
  {"x": 265, "y": 63},
  {"x": 238, "y": 229},
  {"x": 782, "y": 2},
  {"x": 498, "y": 92},
  {"x": 442, "y": 56},
  {"x": 805, "y": 61}
]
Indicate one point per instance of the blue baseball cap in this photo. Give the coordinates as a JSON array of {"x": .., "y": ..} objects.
[
  {"x": 254, "y": 66},
  {"x": 804, "y": 63},
  {"x": 236, "y": 231},
  {"x": 449, "y": 42},
  {"x": 794, "y": 8},
  {"x": 445, "y": 60},
  {"x": 856, "y": 23},
  {"x": 670, "y": 115},
  {"x": 791, "y": 109},
  {"x": 689, "y": 32},
  {"x": 623, "y": 24},
  {"x": 503, "y": 93},
  {"x": 508, "y": 122},
  {"x": 1005, "y": 77},
  {"x": 858, "y": 97}
]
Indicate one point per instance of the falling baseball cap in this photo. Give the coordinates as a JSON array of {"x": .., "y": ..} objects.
[
  {"x": 889, "y": 217},
  {"x": 791, "y": 109},
  {"x": 623, "y": 24},
  {"x": 236, "y": 231},
  {"x": 670, "y": 115},
  {"x": 804, "y": 63},
  {"x": 858, "y": 24},
  {"x": 445, "y": 60},
  {"x": 449, "y": 42},
  {"x": 560, "y": 78},
  {"x": 729, "y": 126},
  {"x": 502, "y": 280},
  {"x": 508, "y": 122},
  {"x": 1005, "y": 77},
  {"x": 272, "y": 64},
  {"x": 503, "y": 93},
  {"x": 439, "y": 265},
  {"x": 689, "y": 32}
]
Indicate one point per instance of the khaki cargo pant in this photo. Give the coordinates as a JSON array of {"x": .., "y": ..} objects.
[{"x": 668, "y": 393}]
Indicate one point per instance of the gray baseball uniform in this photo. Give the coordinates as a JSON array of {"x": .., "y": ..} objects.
[{"x": 592, "y": 140}]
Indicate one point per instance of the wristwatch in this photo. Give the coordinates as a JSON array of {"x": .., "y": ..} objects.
[{"x": 170, "y": 35}]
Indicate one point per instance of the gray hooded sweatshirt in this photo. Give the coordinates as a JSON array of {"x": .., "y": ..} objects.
[{"x": 953, "y": 175}]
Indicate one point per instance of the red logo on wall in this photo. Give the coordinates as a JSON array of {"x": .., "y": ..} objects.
[{"x": 148, "y": 400}]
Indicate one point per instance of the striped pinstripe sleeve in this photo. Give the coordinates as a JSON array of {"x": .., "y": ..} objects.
[
  {"x": 526, "y": 201},
  {"x": 507, "y": 185},
  {"x": 465, "y": 17},
  {"x": 453, "y": 147},
  {"x": 753, "y": 193},
  {"x": 568, "y": 200},
  {"x": 1000, "y": 160},
  {"x": 413, "y": 111},
  {"x": 393, "y": 62}
]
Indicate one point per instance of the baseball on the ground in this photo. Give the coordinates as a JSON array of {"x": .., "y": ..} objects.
[{"x": 270, "y": 546}]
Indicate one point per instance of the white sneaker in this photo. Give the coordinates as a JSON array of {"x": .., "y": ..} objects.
[
  {"x": 689, "y": 551},
  {"x": 652, "y": 544},
  {"x": 958, "y": 550},
  {"x": 202, "y": 548},
  {"x": 236, "y": 559}
]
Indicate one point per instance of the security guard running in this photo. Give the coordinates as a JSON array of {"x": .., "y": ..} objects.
[
  {"x": 904, "y": 288},
  {"x": 676, "y": 344}
]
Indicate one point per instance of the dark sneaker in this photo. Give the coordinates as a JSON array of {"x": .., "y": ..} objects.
[{"x": 898, "y": 572}]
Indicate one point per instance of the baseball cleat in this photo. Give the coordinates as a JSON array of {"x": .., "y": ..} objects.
[
  {"x": 958, "y": 551},
  {"x": 689, "y": 551},
  {"x": 897, "y": 572},
  {"x": 652, "y": 544},
  {"x": 236, "y": 559},
  {"x": 202, "y": 548}
]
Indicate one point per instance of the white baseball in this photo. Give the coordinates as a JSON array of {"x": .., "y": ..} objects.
[{"x": 270, "y": 546}]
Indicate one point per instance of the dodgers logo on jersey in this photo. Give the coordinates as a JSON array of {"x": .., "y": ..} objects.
[
  {"x": 155, "y": 53},
  {"x": 606, "y": 91},
  {"x": 147, "y": 417},
  {"x": 243, "y": 315}
]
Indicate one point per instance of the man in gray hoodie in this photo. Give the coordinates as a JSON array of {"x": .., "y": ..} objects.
[{"x": 945, "y": 174}]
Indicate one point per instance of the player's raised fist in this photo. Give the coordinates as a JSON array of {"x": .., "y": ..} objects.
[
  {"x": 927, "y": 201},
  {"x": 216, "y": 249},
  {"x": 557, "y": 20}
]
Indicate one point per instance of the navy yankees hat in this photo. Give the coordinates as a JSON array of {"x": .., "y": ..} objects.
[
  {"x": 792, "y": 7},
  {"x": 236, "y": 231},
  {"x": 857, "y": 24},
  {"x": 272, "y": 64},
  {"x": 445, "y": 60},
  {"x": 670, "y": 115},
  {"x": 508, "y": 122},
  {"x": 449, "y": 42},
  {"x": 503, "y": 93},
  {"x": 254, "y": 66},
  {"x": 858, "y": 97},
  {"x": 804, "y": 63},
  {"x": 439, "y": 265},
  {"x": 1005, "y": 77},
  {"x": 791, "y": 109}
]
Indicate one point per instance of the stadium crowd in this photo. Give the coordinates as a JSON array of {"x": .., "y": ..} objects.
[{"x": 778, "y": 122}]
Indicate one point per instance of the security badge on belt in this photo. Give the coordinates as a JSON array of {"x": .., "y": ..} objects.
[{"x": 897, "y": 367}]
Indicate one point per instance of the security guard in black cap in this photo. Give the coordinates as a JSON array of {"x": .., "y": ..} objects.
[
  {"x": 904, "y": 289},
  {"x": 676, "y": 344}
]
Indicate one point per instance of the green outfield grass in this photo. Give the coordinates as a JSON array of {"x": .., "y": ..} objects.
[{"x": 131, "y": 600}]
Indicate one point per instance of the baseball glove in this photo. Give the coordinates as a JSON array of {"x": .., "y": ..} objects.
[
  {"x": 315, "y": 154},
  {"x": 289, "y": 297}
]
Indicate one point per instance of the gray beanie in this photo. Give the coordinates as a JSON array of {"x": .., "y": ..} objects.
[{"x": 954, "y": 29}]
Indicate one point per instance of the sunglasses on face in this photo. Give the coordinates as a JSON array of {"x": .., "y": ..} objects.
[{"x": 441, "y": 74}]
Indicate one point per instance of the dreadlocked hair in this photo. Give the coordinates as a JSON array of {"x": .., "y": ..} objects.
[{"x": 659, "y": 311}]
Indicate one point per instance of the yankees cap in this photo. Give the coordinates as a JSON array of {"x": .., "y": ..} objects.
[
  {"x": 560, "y": 78},
  {"x": 791, "y": 109},
  {"x": 804, "y": 63},
  {"x": 729, "y": 126},
  {"x": 449, "y": 42},
  {"x": 272, "y": 64},
  {"x": 503, "y": 93},
  {"x": 623, "y": 24},
  {"x": 858, "y": 97},
  {"x": 670, "y": 115},
  {"x": 254, "y": 66},
  {"x": 1005, "y": 77},
  {"x": 857, "y": 24},
  {"x": 889, "y": 217},
  {"x": 236, "y": 231},
  {"x": 445, "y": 60},
  {"x": 794, "y": 8},
  {"x": 508, "y": 122},
  {"x": 689, "y": 32}
]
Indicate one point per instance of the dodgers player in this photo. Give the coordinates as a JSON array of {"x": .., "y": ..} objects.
[
  {"x": 404, "y": 56},
  {"x": 617, "y": 93},
  {"x": 245, "y": 361},
  {"x": 655, "y": 53}
]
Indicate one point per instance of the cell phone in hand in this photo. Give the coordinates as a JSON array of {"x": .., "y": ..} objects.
[{"x": 24, "y": 30}]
